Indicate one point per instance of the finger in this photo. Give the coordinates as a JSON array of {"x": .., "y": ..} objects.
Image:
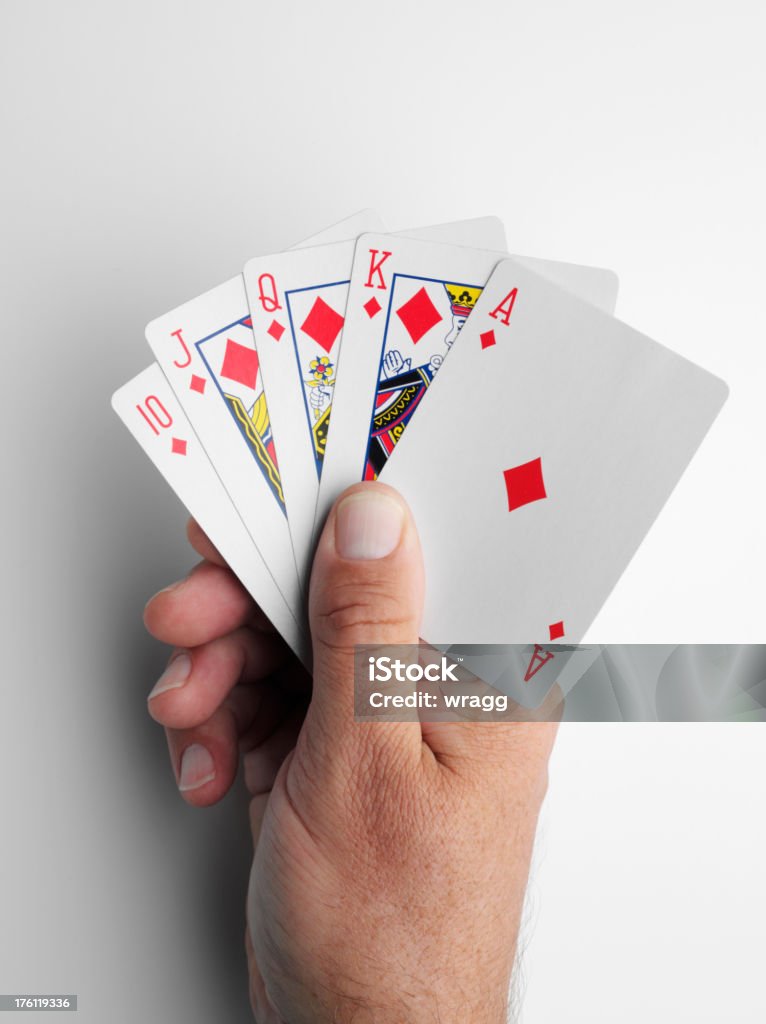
[
  {"x": 202, "y": 544},
  {"x": 262, "y": 763},
  {"x": 366, "y": 588},
  {"x": 198, "y": 680},
  {"x": 207, "y": 604},
  {"x": 258, "y": 806},
  {"x": 205, "y": 758},
  {"x": 278, "y": 700}
]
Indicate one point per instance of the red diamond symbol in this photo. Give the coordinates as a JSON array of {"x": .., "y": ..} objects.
[
  {"x": 276, "y": 330},
  {"x": 322, "y": 324},
  {"x": 240, "y": 364},
  {"x": 524, "y": 484},
  {"x": 556, "y": 630},
  {"x": 197, "y": 383},
  {"x": 418, "y": 315},
  {"x": 178, "y": 446},
  {"x": 372, "y": 308},
  {"x": 487, "y": 339}
]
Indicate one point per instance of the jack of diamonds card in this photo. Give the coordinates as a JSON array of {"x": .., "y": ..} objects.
[{"x": 206, "y": 351}]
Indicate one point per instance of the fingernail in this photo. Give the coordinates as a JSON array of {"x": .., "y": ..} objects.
[
  {"x": 197, "y": 768},
  {"x": 173, "y": 586},
  {"x": 166, "y": 590},
  {"x": 175, "y": 675},
  {"x": 368, "y": 525}
]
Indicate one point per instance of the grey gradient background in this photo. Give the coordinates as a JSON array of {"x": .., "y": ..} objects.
[{"x": 149, "y": 149}]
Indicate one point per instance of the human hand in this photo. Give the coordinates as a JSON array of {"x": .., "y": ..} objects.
[
  {"x": 394, "y": 363},
  {"x": 390, "y": 858},
  {"x": 319, "y": 396}
]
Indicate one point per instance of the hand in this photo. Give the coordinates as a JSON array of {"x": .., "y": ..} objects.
[
  {"x": 319, "y": 396},
  {"x": 390, "y": 858},
  {"x": 393, "y": 363}
]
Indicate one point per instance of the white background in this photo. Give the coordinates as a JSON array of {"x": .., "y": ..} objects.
[{"x": 148, "y": 150}]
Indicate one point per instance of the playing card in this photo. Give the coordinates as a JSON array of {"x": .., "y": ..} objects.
[
  {"x": 297, "y": 304},
  {"x": 151, "y": 412},
  {"x": 407, "y": 304},
  {"x": 550, "y": 442},
  {"x": 206, "y": 350}
]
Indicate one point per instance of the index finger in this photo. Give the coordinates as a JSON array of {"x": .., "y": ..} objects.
[{"x": 202, "y": 544}]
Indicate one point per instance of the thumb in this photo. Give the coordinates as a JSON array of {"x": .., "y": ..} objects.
[{"x": 366, "y": 588}]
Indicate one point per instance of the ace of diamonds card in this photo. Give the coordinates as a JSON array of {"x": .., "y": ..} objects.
[{"x": 569, "y": 432}]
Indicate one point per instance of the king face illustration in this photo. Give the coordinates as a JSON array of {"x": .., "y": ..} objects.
[{"x": 421, "y": 331}]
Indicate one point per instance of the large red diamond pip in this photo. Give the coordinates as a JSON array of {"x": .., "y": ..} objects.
[
  {"x": 524, "y": 484},
  {"x": 322, "y": 324},
  {"x": 418, "y": 315},
  {"x": 240, "y": 364}
]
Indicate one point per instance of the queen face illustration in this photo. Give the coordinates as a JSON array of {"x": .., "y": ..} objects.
[{"x": 320, "y": 384}]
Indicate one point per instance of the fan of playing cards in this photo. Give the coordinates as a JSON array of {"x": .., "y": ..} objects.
[{"x": 534, "y": 436}]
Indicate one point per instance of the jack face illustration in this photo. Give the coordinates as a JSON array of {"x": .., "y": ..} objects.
[{"x": 232, "y": 360}]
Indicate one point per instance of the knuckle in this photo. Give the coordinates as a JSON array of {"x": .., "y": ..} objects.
[{"x": 349, "y": 614}]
